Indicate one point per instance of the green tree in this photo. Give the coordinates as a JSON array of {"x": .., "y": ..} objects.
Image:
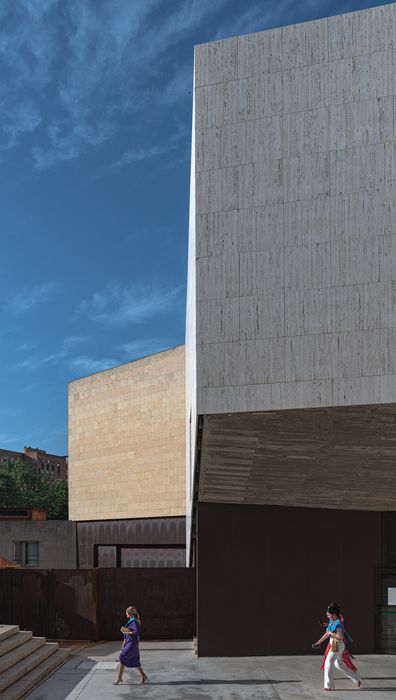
[
  {"x": 22, "y": 485},
  {"x": 57, "y": 500}
]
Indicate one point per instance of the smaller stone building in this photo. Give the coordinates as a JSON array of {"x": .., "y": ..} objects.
[
  {"x": 127, "y": 482},
  {"x": 41, "y": 544}
]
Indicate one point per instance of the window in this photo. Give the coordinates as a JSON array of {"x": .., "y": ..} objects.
[{"x": 27, "y": 553}]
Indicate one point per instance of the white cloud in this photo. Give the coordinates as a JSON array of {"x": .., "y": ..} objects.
[
  {"x": 27, "y": 388},
  {"x": 27, "y": 298},
  {"x": 24, "y": 347},
  {"x": 134, "y": 155},
  {"x": 93, "y": 63},
  {"x": 32, "y": 362},
  {"x": 141, "y": 348},
  {"x": 17, "y": 121},
  {"x": 85, "y": 365},
  {"x": 119, "y": 306}
]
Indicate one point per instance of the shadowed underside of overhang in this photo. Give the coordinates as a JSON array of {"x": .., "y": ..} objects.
[{"x": 341, "y": 457}]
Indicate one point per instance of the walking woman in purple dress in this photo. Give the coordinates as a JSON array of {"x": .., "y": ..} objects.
[{"x": 130, "y": 656}]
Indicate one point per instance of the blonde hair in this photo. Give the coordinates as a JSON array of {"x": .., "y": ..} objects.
[{"x": 133, "y": 612}]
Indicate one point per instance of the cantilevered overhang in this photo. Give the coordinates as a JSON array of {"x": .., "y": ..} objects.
[{"x": 342, "y": 457}]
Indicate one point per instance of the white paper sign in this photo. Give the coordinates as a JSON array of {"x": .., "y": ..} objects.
[{"x": 391, "y": 596}]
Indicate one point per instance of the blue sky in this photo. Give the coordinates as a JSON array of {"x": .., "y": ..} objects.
[{"x": 95, "y": 128}]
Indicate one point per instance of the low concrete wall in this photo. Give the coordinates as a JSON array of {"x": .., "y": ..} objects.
[{"x": 57, "y": 540}]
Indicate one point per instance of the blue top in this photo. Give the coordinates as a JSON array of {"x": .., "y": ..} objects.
[
  {"x": 134, "y": 626},
  {"x": 333, "y": 624}
]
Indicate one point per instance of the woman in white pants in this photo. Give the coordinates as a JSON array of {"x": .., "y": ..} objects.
[{"x": 335, "y": 631}]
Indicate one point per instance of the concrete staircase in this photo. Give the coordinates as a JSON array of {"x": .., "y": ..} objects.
[{"x": 25, "y": 661}]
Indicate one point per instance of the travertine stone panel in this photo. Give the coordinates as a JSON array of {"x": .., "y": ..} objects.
[
  {"x": 127, "y": 440},
  {"x": 306, "y": 132},
  {"x": 261, "y": 272},
  {"x": 363, "y": 214},
  {"x": 218, "y": 277},
  {"x": 262, "y": 317},
  {"x": 217, "y": 233},
  {"x": 218, "y": 320},
  {"x": 259, "y": 53},
  {"x": 216, "y": 62},
  {"x": 295, "y": 158},
  {"x": 304, "y": 44},
  {"x": 306, "y": 222}
]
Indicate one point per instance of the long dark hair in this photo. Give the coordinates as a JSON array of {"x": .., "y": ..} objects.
[{"x": 334, "y": 609}]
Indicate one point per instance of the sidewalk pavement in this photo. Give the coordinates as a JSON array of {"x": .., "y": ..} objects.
[{"x": 175, "y": 673}]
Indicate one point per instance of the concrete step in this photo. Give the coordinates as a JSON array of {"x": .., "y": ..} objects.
[
  {"x": 26, "y": 664},
  {"x": 32, "y": 679},
  {"x": 8, "y": 630},
  {"x": 21, "y": 652},
  {"x": 14, "y": 641}
]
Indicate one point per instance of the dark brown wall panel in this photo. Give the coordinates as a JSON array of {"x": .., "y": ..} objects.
[
  {"x": 266, "y": 574},
  {"x": 73, "y": 604},
  {"x": 165, "y": 599}
]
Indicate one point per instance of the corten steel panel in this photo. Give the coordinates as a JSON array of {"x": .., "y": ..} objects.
[
  {"x": 143, "y": 531},
  {"x": 59, "y": 604},
  {"x": 72, "y": 604},
  {"x": 165, "y": 599},
  {"x": 75, "y": 604},
  {"x": 265, "y": 575},
  {"x": 25, "y": 599}
]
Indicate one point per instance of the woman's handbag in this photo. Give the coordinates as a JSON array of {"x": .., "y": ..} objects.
[{"x": 334, "y": 645}]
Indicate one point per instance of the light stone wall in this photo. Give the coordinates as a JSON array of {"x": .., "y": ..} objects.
[
  {"x": 56, "y": 538},
  {"x": 191, "y": 355},
  {"x": 127, "y": 440},
  {"x": 295, "y": 216}
]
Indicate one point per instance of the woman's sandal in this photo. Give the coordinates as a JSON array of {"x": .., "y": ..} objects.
[
  {"x": 144, "y": 679},
  {"x": 117, "y": 682}
]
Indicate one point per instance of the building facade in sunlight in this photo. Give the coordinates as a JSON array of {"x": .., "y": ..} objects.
[
  {"x": 291, "y": 335},
  {"x": 127, "y": 463},
  {"x": 55, "y": 466}
]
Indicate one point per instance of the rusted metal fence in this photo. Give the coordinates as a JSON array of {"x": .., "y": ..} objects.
[{"x": 90, "y": 604}]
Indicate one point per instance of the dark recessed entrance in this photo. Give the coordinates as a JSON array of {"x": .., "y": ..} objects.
[{"x": 386, "y": 611}]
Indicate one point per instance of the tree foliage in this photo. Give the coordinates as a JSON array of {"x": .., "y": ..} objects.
[{"x": 22, "y": 485}]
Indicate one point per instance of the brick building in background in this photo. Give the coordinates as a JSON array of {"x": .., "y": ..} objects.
[
  {"x": 54, "y": 465},
  {"x": 127, "y": 463}
]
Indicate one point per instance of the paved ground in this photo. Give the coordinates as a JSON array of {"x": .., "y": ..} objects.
[{"x": 176, "y": 674}]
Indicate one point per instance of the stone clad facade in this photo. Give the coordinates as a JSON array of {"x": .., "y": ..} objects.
[
  {"x": 291, "y": 331},
  {"x": 295, "y": 204},
  {"x": 127, "y": 440}
]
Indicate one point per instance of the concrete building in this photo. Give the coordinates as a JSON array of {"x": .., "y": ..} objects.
[
  {"x": 291, "y": 334},
  {"x": 127, "y": 463},
  {"x": 28, "y": 540}
]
